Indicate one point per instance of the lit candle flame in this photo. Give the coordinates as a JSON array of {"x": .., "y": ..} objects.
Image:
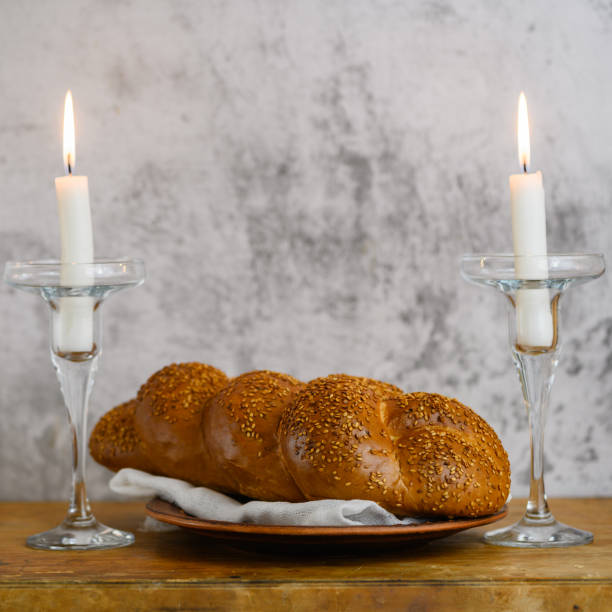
[
  {"x": 524, "y": 149},
  {"x": 69, "y": 146}
]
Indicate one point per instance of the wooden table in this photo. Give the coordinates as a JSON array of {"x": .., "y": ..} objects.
[{"x": 181, "y": 570}]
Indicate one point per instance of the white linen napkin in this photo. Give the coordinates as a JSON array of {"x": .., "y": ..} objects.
[{"x": 210, "y": 505}]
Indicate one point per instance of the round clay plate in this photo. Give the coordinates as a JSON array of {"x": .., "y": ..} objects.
[{"x": 244, "y": 534}]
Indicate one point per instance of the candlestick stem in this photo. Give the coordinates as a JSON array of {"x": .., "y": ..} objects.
[
  {"x": 536, "y": 373},
  {"x": 76, "y": 381}
]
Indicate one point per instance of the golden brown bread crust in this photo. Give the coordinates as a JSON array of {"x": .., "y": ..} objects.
[
  {"x": 240, "y": 434},
  {"x": 114, "y": 441},
  {"x": 414, "y": 454},
  {"x": 383, "y": 390},
  {"x": 452, "y": 461},
  {"x": 335, "y": 445},
  {"x": 168, "y": 418}
]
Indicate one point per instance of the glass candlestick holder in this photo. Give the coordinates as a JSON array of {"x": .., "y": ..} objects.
[
  {"x": 75, "y": 294},
  {"x": 533, "y": 287}
]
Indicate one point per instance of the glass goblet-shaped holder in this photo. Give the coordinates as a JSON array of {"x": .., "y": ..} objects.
[
  {"x": 75, "y": 293},
  {"x": 534, "y": 319}
]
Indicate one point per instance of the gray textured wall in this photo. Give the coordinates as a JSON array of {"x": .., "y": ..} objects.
[{"x": 301, "y": 178}]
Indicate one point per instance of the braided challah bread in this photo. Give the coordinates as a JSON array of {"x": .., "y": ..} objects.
[{"x": 268, "y": 436}]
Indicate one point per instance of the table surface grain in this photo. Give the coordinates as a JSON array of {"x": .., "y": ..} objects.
[{"x": 181, "y": 570}]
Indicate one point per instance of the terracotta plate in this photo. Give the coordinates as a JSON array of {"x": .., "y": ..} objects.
[{"x": 244, "y": 534}]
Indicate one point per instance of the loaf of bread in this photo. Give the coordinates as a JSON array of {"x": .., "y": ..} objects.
[{"x": 268, "y": 436}]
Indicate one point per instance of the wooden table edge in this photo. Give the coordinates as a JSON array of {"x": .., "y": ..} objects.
[{"x": 179, "y": 584}]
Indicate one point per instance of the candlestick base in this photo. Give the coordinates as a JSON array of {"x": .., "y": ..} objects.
[
  {"x": 73, "y": 536},
  {"x": 538, "y": 533},
  {"x": 75, "y": 352},
  {"x": 535, "y": 357}
]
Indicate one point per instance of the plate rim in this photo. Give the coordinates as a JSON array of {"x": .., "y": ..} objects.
[{"x": 170, "y": 513}]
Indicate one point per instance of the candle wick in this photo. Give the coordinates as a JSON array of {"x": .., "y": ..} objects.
[
  {"x": 68, "y": 164},
  {"x": 524, "y": 167},
  {"x": 69, "y": 168}
]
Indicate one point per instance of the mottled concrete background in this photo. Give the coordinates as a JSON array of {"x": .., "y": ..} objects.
[{"x": 301, "y": 179}]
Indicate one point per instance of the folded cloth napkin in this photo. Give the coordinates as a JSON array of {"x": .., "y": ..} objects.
[{"x": 212, "y": 505}]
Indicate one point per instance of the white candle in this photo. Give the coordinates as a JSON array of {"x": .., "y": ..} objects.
[
  {"x": 73, "y": 322},
  {"x": 533, "y": 314}
]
